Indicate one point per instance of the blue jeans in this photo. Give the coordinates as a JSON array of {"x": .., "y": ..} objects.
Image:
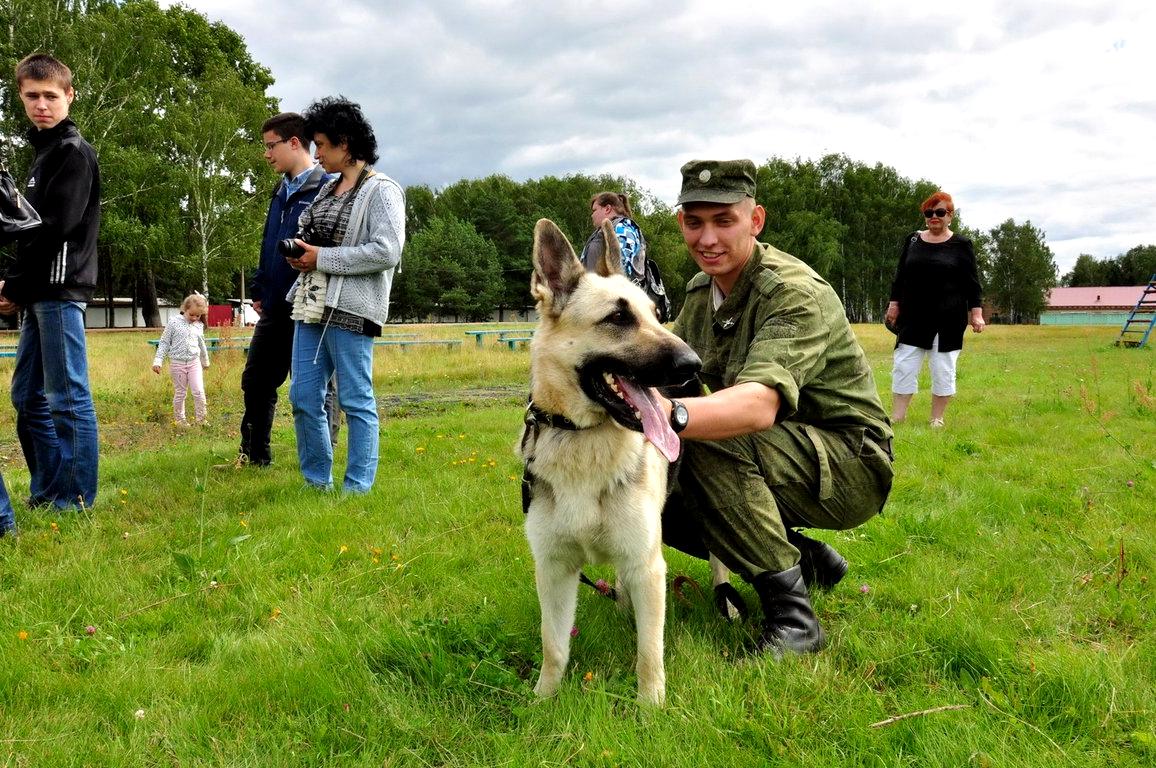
[
  {"x": 55, "y": 418},
  {"x": 7, "y": 516},
  {"x": 318, "y": 351}
]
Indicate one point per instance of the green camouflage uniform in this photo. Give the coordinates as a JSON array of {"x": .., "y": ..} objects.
[{"x": 825, "y": 463}]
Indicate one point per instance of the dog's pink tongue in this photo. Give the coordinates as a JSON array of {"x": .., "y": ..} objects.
[{"x": 654, "y": 425}]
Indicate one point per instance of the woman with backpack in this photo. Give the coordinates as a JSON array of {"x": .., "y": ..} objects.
[{"x": 635, "y": 265}]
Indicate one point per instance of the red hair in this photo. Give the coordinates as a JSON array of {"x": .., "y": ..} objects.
[{"x": 938, "y": 197}]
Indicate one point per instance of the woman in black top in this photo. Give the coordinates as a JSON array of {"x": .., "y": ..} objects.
[{"x": 935, "y": 296}]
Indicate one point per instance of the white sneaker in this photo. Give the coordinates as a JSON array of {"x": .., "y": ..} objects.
[{"x": 937, "y": 423}]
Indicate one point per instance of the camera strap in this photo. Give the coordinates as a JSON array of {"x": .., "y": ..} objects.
[{"x": 346, "y": 206}]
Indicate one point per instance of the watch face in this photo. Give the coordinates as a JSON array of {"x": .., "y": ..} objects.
[{"x": 678, "y": 416}]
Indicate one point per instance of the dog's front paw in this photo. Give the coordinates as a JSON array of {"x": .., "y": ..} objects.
[
  {"x": 546, "y": 688},
  {"x": 652, "y": 696}
]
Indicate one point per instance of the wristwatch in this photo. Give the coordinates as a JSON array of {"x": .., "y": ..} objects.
[{"x": 678, "y": 416}]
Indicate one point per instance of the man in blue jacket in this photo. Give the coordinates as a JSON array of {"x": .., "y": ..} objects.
[
  {"x": 51, "y": 282},
  {"x": 270, "y": 351}
]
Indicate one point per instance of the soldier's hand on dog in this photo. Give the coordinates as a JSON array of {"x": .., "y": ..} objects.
[{"x": 307, "y": 261}]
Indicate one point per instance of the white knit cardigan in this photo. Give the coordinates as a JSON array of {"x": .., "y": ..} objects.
[{"x": 361, "y": 269}]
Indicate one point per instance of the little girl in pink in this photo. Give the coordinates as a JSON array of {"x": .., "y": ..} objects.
[{"x": 184, "y": 343}]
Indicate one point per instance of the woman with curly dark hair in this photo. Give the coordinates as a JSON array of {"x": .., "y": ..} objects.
[{"x": 348, "y": 247}]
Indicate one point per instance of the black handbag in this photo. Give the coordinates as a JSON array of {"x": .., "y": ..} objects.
[{"x": 16, "y": 214}]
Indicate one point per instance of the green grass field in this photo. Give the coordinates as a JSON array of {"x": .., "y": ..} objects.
[{"x": 203, "y": 614}]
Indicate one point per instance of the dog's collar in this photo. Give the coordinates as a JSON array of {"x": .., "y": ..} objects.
[{"x": 535, "y": 416}]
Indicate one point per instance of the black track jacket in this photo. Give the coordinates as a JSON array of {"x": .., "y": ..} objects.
[{"x": 57, "y": 261}]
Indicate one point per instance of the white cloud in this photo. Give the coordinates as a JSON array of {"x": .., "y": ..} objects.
[{"x": 1020, "y": 109}]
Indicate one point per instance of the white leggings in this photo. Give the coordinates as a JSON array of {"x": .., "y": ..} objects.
[{"x": 908, "y": 360}]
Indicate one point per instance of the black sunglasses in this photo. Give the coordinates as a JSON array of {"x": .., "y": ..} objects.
[{"x": 940, "y": 212}]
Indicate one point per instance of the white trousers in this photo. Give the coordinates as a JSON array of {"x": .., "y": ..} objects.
[{"x": 908, "y": 360}]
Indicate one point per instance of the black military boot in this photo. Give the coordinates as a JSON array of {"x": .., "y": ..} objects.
[
  {"x": 789, "y": 622},
  {"x": 822, "y": 565}
]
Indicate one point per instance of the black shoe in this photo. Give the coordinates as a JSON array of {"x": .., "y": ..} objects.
[
  {"x": 822, "y": 565},
  {"x": 789, "y": 622},
  {"x": 249, "y": 461}
]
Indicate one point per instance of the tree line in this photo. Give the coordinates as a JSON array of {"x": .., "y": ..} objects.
[
  {"x": 470, "y": 242},
  {"x": 1134, "y": 267},
  {"x": 173, "y": 104}
]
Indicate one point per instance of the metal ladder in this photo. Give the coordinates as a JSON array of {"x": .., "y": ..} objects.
[{"x": 1138, "y": 327}]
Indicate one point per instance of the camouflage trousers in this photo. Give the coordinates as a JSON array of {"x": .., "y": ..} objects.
[{"x": 735, "y": 498}]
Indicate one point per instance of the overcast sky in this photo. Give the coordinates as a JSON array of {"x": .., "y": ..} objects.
[{"x": 1019, "y": 108}]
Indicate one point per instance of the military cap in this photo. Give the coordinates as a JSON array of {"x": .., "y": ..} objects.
[{"x": 717, "y": 181}]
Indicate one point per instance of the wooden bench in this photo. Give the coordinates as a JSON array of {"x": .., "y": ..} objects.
[
  {"x": 480, "y": 335},
  {"x": 513, "y": 341},
  {"x": 230, "y": 342},
  {"x": 499, "y": 332},
  {"x": 405, "y": 343},
  {"x": 240, "y": 342}
]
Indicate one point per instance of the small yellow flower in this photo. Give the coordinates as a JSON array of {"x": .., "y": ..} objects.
[
  {"x": 376, "y": 559},
  {"x": 54, "y": 526},
  {"x": 123, "y": 492},
  {"x": 419, "y": 449},
  {"x": 22, "y": 634},
  {"x": 275, "y": 614},
  {"x": 586, "y": 678},
  {"x": 342, "y": 550},
  {"x": 244, "y": 523}
]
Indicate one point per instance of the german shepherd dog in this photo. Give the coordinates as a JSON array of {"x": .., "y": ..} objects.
[{"x": 597, "y": 447}]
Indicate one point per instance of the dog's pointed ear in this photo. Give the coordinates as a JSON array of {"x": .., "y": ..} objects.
[
  {"x": 556, "y": 268},
  {"x": 610, "y": 260}
]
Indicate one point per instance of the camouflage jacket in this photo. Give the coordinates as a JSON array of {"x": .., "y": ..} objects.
[{"x": 783, "y": 326}]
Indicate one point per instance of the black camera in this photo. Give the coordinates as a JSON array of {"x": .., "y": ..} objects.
[{"x": 289, "y": 248}]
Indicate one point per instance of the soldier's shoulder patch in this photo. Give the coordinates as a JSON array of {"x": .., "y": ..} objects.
[{"x": 778, "y": 327}]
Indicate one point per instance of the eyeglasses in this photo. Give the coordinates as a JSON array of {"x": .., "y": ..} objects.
[
  {"x": 270, "y": 144},
  {"x": 938, "y": 212}
]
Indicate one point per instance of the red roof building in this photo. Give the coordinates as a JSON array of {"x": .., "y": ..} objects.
[{"x": 1107, "y": 305}]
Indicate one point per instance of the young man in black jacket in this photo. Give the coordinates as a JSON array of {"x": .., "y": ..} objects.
[
  {"x": 270, "y": 351},
  {"x": 51, "y": 282}
]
